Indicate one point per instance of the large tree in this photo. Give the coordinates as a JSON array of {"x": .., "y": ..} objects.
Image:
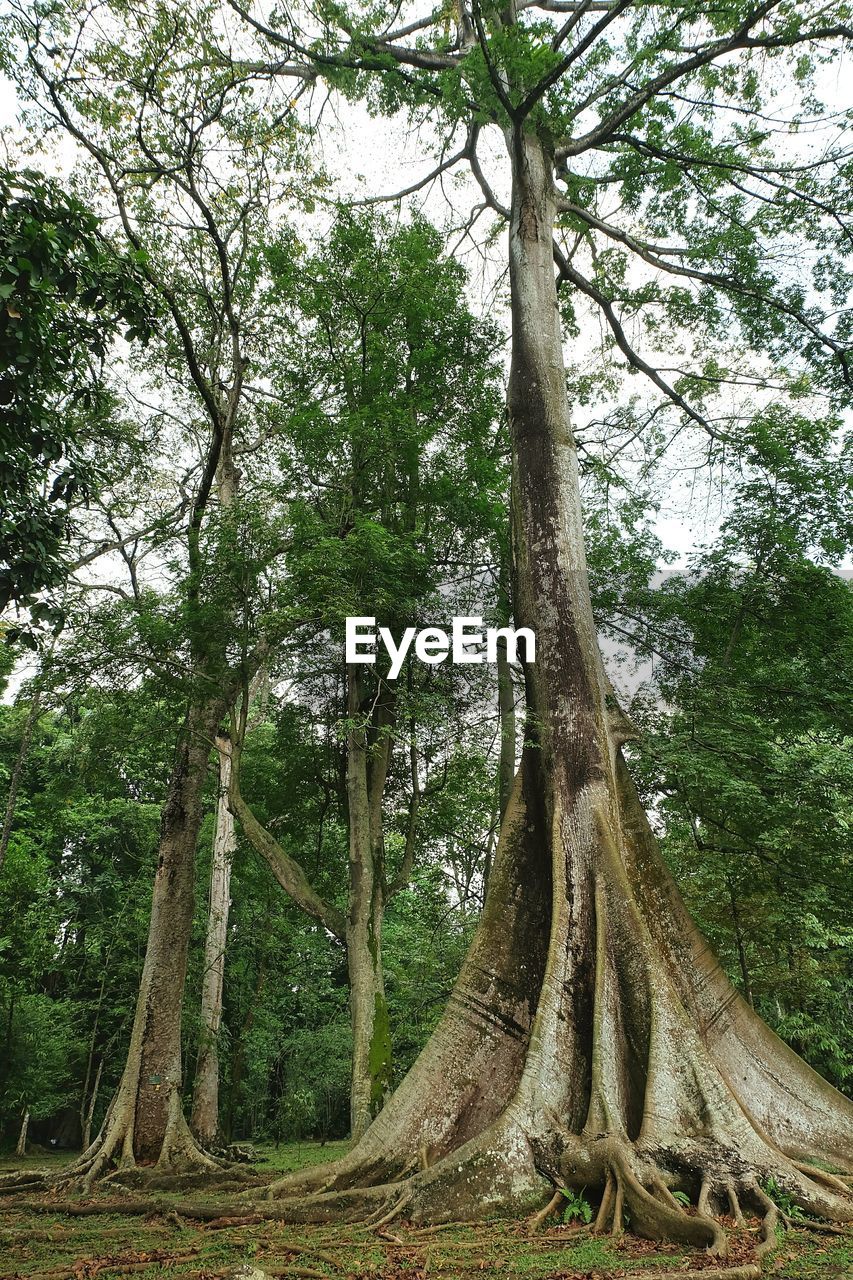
[{"x": 592, "y": 1039}]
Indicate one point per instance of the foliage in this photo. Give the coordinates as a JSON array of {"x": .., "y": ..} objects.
[
  {"x": 66, "y": 292},
  {"x": 576, "y": 1206}
]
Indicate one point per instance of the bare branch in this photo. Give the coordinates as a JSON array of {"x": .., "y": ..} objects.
[
  {"x": 650, "y": 254},
  {"x": 450, "y": 163},
  {"x": 104, "y": 548},
  {"x": 568, "y": 273}
]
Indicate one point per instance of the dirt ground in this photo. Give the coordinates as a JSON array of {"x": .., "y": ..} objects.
[{"x": 63, "y": 1239}]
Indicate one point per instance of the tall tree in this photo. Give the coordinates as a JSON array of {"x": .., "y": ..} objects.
[
  {"x": 205, "y": 1111},
  {"x": 192, "y": 174},
  {"x": 613, "y": 1054}
]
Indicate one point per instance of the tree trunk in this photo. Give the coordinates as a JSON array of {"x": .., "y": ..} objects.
[
  {"x": 87, "y": 1111},
  {"x": 642, "y": 1072},
  {"x": 21, "y": 1146},
  {"x": 205, "y": 1111},
  {"x": 145, "y": 1122},
  {"x": 368, "y": 756},
  {"x": 506, "y": 704}
]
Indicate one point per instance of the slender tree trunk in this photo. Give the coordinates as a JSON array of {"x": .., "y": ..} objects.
[
  {"x": 205, "y": 1111},
  {"x": 88, "y": 1110},
  {"x": 368, "y": 756},
  {"x": 641, "y": 1071},
  {"x": 741, "y": 947},
  {"x": 21, "y": 1146}
]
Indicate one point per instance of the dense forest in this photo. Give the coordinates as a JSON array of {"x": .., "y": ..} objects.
[{"x": 564, "y": 933}]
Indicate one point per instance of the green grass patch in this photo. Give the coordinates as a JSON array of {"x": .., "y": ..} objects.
[{"x": 288, "y": 1156}]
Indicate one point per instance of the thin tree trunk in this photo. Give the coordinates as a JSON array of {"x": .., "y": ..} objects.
[
  {"x": 21, "y": 1147},
  {"x": 367, "y": 768},
  {"x": 88, "y": 1112},
  {"x": 205, "y": 1111},
  {"x": 741, "y": 948}
]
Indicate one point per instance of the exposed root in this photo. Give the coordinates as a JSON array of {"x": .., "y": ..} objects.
[
  {"x": 664, "y": 1194},
  {"x": 632, "y": 1183},
  {"x": 543, "y": 1215},
  {"x": 703, "y": 1204},
  {"x": 382, "y": 1219},
  {"x": 769, "y": 1222},
  {"x": 181, "y": 1161},
  {"x": 746, "y": 1272},
  {"x": 618, "y": 1226},
  {"x": 605, "y": 1209},
  {"x": 831, "y": 1180},
  {"x": 12, "y": 1184},
  {"x": 642, "y": 1182},
  {"x": 809, "y": 1224},
  {"x": 734, "y": 1203}
]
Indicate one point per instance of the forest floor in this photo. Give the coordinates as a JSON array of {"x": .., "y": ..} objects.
[{"x": 43, "y": 1243}]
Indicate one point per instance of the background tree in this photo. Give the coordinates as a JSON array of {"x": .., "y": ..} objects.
[
  {"x": 192, "y": 175},
  {"x": 396, "y": 478}
]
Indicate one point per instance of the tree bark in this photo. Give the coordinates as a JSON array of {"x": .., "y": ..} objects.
[
  {"x": 635, "y": 1070},
  {"x": 205, "y": 1110}
]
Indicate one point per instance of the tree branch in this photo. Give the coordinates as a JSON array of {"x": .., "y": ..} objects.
[
  {"x": 286, "y": 870},
  {"x": 649, "y": 254},
  {"x": 739, "y": 39},
  {"x": 567, "y": 272}
]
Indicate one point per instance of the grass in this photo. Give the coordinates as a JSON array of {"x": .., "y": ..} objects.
[
  {"x": 298, "y": 1155},
  {"x": 115, "y": 1246}
]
